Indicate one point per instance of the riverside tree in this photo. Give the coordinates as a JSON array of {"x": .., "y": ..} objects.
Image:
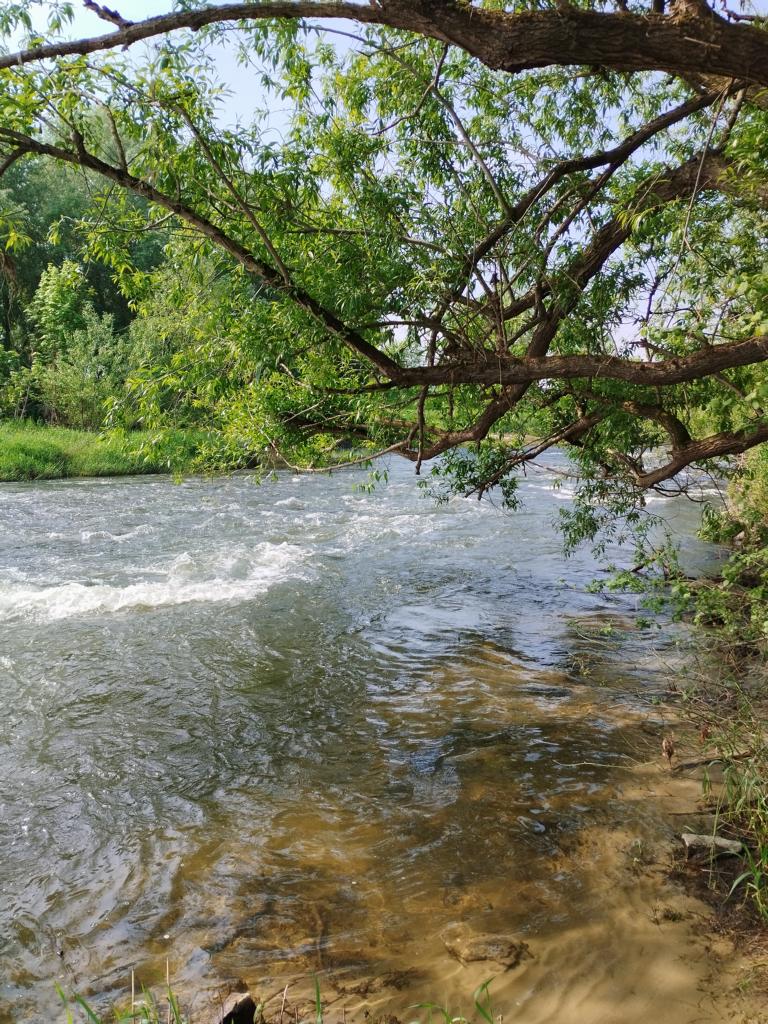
[{"x": 471, "y": 224}]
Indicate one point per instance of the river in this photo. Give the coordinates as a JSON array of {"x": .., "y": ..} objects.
[{"x": 264, "y": 731}]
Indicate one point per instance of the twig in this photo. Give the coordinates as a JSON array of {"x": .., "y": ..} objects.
[
  {"x": 107, "y": 14},
  {"x": 591, "y": 764},
  {"x": 339, "y": 465}
]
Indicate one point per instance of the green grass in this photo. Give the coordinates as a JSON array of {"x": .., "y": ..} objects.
[
  {"x": 147, "y": 1009},
  {"x": 729, "y": 705},
  {"x": 30, "y": 451}
]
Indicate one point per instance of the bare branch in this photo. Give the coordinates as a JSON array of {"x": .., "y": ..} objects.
[
  {"x": 107, "y": 14},
  {"x": 11, "y": 159}
]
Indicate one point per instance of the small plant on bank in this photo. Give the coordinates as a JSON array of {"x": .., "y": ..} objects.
[
  {"x": 147, "y": 1010},
  {"x": 755, "y": 880},
  {"x": 144, "y": 1010},
  {"x": 727, "y": 702},
  {"x": 481, "y": 999}
]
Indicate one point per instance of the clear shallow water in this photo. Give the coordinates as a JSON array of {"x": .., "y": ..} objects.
[{"x": 294, "y": 727}]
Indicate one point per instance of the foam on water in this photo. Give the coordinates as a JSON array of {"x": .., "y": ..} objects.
[
  {"x": 234, "y": 576},
  {"x": 86, "y": 536}
]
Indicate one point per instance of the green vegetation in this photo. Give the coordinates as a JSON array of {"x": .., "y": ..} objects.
[
  {"x": 145, "y": 1010},
  {"x": 32, "y": 452},
  {"x": 148, "y": 1010},
  {"x": 728, "y": 702},
  {"x": 426, "y": 253}
]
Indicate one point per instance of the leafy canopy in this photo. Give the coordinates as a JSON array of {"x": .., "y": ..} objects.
[{"x": 412, "y": 251}]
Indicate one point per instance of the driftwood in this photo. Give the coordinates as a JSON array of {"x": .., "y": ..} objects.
[
  {"x": 711, "y": 844},
  {"x": 713, "y": 759}
]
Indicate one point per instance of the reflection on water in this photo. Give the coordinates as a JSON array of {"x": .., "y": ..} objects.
[{"x": 295, "y": 728}]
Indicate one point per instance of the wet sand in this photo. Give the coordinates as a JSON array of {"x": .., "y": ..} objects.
[{"x": 633, "y": 948}]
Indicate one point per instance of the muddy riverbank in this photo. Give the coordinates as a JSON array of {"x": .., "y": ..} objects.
[{"x": 633, "y": 941}]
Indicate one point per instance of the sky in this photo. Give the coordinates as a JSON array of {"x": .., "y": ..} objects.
[{"x": 246, "y": 94}]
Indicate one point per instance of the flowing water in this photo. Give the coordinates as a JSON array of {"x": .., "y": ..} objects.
[{"x": 294, "y": 729}]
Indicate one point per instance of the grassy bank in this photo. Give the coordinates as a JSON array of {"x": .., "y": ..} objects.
[
  {"x": 727, "y": 698},
  {"x": 30, "y": 451}
]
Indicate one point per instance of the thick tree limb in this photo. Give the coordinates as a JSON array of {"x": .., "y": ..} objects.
[
  {"x": 693, "y": 40},
  {"x": 675, "y": 429},
  {"x": 11, "y": 159},
  {"x": 716, "y": 446},
  {"x": 704, "y": 363},
  {"x": 493, "y": 412}
]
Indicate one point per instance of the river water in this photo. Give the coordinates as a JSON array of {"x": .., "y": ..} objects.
[{"x": 253, "y": 732}]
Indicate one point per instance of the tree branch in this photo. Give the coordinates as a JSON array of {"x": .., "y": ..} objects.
[
  {"x": 526, "y": 370},
  {"x": 254, "y": 266},
  {"x": 716, "y": 446},
  {"x": 569, "y": 433},
  {"x": 614, "y": 157},
  {"x": 241, "y": 204},
  {"x": 694, "y": 40}
]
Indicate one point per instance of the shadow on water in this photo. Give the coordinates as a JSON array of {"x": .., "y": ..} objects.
[{"x": 267, "y": 732}]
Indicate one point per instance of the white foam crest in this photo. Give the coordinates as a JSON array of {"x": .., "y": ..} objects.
[
  {"x": 236, "y": 576},
  {"x": 412, "y": 525},
  {"x": 656, "y": 499},
  {"x": 119, "y": 538}
]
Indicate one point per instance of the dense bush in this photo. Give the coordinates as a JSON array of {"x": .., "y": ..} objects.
[{"x": 79, "y": 362}]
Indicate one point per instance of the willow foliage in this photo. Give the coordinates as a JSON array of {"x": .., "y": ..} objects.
[{"x": 406, "y": 249}]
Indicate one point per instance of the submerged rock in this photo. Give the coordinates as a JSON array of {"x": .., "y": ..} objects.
[
  {"x": 468, "y": 946},
  {"x": 239, "y": 1008},
  {"x": 547, "y": 692}
]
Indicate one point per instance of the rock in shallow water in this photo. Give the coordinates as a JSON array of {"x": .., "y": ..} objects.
[
  {"x": 239, "y": 1008},
  {"x": 468, "y": 946}
]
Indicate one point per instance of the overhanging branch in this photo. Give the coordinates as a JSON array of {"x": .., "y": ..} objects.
[
  {"x": 716, "y": 446},
  {"x": 254, "y": 266},
  {"x": 693, "y": 40},
  {"x": 703, "y": 363}
]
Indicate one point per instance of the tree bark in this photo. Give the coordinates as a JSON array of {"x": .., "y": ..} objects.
[
  {"x": 691, "y": 40},
  {"x": 526, "y": 370}
]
